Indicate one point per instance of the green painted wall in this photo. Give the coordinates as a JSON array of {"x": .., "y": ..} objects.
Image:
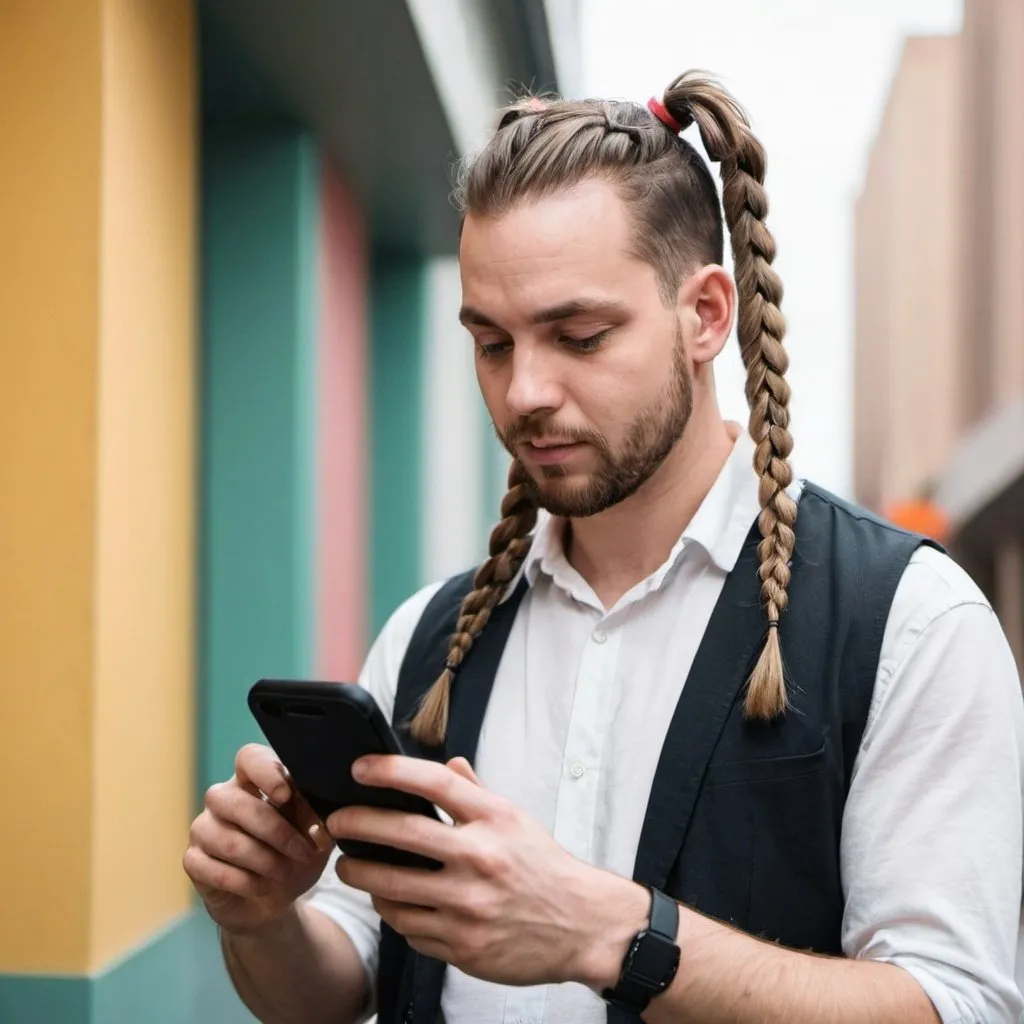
[
  {"x": 398, "y": 292},
  {"x": 259, "y": 237},
  {"x": 493, "y": 474},
  {"x": 177, "y": 978},
  {"x": 43, "y": 999}
]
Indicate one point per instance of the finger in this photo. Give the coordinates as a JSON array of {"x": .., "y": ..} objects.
[
  {"x": 437, "y": 783},
  {"x": 425, "y": 926},
  {"x": 230, "y": 844},
  {"x": 462, "y": 767},
  {"x": 417, "y": 887},
  {"x": 258, "y": 766},
  {"x": 233, "y": 804},
  {"x": 414, "y": 833},
  {"x": 426, "y": 931},
  {"x": 213, "y": 878},
  {"x": 428, "y": 946},
  {"x": 306, "y": 821}
]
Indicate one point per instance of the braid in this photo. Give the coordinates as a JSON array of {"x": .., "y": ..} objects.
[
  {"x": 728, "y": 141},
  {"x": 509, "y": 544}
]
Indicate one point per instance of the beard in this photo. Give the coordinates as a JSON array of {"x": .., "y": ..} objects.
[{"x": 650, "y": 438}]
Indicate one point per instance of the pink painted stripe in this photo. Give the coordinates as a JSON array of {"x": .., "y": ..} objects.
[{"x": 341, "y": 563}]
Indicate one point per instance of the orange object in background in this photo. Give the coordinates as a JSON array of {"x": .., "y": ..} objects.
[{"x": 919, "y": 516}]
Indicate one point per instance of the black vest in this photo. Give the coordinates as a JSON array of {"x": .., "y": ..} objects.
[{"x": 743, "y": 819}]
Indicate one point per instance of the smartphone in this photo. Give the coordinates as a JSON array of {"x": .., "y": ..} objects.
[{"x": 318, "y": 730}]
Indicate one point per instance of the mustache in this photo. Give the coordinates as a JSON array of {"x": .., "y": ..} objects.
[{"x": 522, "y": 433}]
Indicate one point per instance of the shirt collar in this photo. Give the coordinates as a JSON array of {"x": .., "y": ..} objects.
[{"x": 720, "y": 526}]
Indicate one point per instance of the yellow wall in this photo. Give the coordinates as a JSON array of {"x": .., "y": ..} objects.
[
  {"x": 96, "y": 476},
  {"x": 49, "y": 334},
  {"x": 143, "y": 708}
]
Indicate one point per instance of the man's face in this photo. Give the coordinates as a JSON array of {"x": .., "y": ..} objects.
[{"x": 581, "y": 364}]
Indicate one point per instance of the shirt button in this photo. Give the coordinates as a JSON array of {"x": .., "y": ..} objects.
[
  {"x": 578, "y": 770},
  {"x": 599, "y": 636}
]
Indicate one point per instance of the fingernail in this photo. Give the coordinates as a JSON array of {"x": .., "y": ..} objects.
[
  {"x": 299, "y": 850},
  {"x": 359, "y": 770},
  {"x": 317, "y": 834}
]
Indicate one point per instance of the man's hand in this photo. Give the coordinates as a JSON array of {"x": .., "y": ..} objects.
[
  {"x": 256, "y": 847},
  {"x": 510, "y": 905}
]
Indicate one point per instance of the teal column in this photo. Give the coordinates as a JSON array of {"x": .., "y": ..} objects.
[
  {"x": 398, "y": 292},
  {"x": 493, "y": 475},
  {"x": 260, "y": 216}
]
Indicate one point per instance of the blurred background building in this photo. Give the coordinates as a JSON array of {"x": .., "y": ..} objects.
[
  {"x": 239, "y": 422},
  {"x": 939, "y": 355}
]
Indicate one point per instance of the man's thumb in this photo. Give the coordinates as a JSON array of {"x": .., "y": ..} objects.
[{"x": 462, "y": 767}]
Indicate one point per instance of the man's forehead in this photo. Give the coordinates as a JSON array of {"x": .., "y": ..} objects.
[
  {"x": 589, "y": 218},
  {"x": 556, "y": 250}
]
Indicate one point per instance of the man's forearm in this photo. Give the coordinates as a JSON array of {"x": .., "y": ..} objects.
[
  {"x": 301, "y": 970},
  {"x": 728, "y": 977}
]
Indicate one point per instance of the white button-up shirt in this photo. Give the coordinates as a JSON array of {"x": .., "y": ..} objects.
[{"x": 932, "y": 827}]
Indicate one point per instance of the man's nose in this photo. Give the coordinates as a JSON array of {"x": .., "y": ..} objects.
[{"x": 534, "y": 386}]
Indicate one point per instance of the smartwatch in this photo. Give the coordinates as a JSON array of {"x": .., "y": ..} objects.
[{"x": 652, "y": 959}]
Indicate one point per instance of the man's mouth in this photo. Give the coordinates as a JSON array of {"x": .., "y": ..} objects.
[
  {"x": 546, "y": 443},
  {"x": 547, "y": 451}
]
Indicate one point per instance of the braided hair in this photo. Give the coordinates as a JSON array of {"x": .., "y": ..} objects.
[{"x": 543, "y": 146}]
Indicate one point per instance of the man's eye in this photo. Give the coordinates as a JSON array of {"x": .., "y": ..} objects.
[
  {"x": 493, "y": 349},
  {"x": 584, "y": 344}
]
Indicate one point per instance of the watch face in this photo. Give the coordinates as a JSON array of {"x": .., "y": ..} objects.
[{"x": 652, "y": 961}]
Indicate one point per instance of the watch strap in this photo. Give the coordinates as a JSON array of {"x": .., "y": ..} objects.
[
  {"x": 664, "y": 915},
  {"x": 652, "y": 959}
]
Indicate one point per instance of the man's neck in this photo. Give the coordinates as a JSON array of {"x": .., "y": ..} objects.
[{"x": 615, "y": 550}]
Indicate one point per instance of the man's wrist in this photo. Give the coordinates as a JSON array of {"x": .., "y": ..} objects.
[
  {"x": 281, "y": 928},
  {"x": 614, "y": 910}
]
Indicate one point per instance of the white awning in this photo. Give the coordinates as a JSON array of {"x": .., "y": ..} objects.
[{"x": 986, "y": 470}]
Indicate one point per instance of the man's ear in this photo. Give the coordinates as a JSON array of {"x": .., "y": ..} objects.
[{"x": 707, "y": 305}]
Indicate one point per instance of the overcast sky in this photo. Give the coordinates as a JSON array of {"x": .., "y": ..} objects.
[{"x": 813, "y": 76}]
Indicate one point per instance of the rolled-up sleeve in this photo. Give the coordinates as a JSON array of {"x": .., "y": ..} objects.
[
  {"x": 353, "y": 912},
  {"x": 932, "y": 832}
]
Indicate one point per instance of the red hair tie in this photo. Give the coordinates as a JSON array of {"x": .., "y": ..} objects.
[{"x": 657, "y": 108}]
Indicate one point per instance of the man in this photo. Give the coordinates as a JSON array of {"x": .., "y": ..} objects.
[{"x": 739, "y": 751}]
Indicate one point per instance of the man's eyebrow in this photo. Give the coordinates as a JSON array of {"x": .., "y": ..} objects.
[
  {"x": 579, "y": 307},
  {"x": 563, "y": 311},
  {"x": 470, "y": 316}
]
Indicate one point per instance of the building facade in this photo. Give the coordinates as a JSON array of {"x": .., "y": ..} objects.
[
  {"x": 239, "y": 423},
  {"x": 939, "y": 356}
]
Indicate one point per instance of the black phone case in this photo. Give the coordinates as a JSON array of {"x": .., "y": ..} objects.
[{"x": 318, "y": 730}]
